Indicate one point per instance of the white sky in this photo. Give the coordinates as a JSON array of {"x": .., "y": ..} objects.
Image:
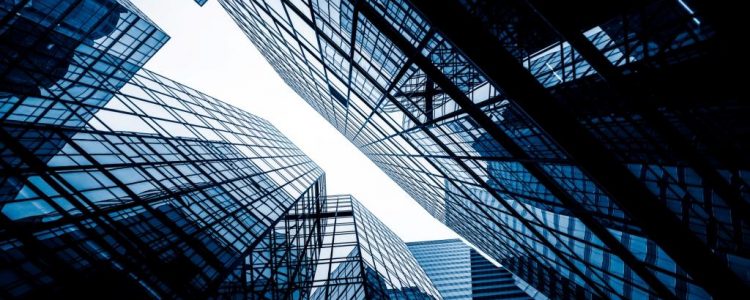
[{"x": 208, "y": 52}]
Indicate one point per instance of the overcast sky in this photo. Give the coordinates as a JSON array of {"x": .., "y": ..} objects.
[{"x": 208, "y": 52}]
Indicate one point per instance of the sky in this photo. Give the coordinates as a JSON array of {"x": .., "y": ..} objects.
[{"x": 209, "y": 53}]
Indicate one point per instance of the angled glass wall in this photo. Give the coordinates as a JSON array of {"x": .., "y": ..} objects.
[
  {"x": 391, "y": 270},
  {"x": 448, "y": 264},
  {"x": 163, "y": 193},
  {"x": 330, "y": 248},
  {"x": 359, "y": 257},
  {"x": 574, "y": 141},
  {"x": 460, "y": 272},
  {"x": 60, "y": 60}
]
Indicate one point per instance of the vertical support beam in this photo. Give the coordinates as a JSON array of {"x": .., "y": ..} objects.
[
  {"x": 429, "y": 99},
  {"x": 501, "y": 68}
]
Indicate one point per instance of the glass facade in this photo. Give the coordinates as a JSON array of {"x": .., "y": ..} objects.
[
  {"x": 116, "y": 182},
  {"x": 162, "y": 193},
  {"x": 56, "y": 55},
  {"x": 593, "y": 156},
  {"x": 490, "y": 282},
  {"x": 460, "y": 272},
  {"x": 361, "y": 258},
  {"x": 448, "y": 264},
  {"x": 329, "y": 247}
]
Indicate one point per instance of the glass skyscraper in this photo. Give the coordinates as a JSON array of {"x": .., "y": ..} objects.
[
  {"x": 596, "y": 150},
  {"x": 448, "y": 264},
  {"x": 361, "y": 258},
  {"x": 330, "y": 247},
  {"x": 163, "y": 192},
  {"x": 461, "y": 273},
  {"x": 116, "y": 182}
]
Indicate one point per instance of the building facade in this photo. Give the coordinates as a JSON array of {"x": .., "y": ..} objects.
[
  {"x": 361, "y": 258},
  {"x": 460, "y": 272},
  {"x": 116, "y": 182},
  {"x": 330, "y": 247},
  {"x": 593, "y": 156},
  {"x": 162, "y": 193},
  {"x": 448, "y": 264}
]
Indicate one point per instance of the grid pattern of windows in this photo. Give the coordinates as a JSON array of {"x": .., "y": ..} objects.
[
  {"x": 61, "y": 59},
  {"x": 460, "y": 272},
  {"x": 490, "y": 282},
  {"x": 163, "y": 192},
  {"x": 447, "y": 264},
  {"x": 117, "y": 182},
  {"x": 361, "y": 258},
  {"x": 568, "y": 139},
  {"x": 330, "y": 248}
]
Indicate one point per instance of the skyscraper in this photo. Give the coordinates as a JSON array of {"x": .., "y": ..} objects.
[
  {"x": 330, "y": 247},
  {"x": 361, "y": 258},
  {"x": 460, "y": 272},
  {"x": 116, "y": 182},
  {"x": 163, "y": 192},
  {"x": 594, "y": 150}
]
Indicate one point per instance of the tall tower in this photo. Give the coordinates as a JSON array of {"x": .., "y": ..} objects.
[{"x": 596, "y": 151}]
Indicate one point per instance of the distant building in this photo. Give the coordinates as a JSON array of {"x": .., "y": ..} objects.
[{"x": 460, "y": 272}]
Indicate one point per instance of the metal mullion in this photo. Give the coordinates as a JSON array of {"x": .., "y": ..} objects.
[
  {"x": 350, "y": 59},
  {"x": 309, "y": 237},
  {"x": 329, "y": 260}
]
